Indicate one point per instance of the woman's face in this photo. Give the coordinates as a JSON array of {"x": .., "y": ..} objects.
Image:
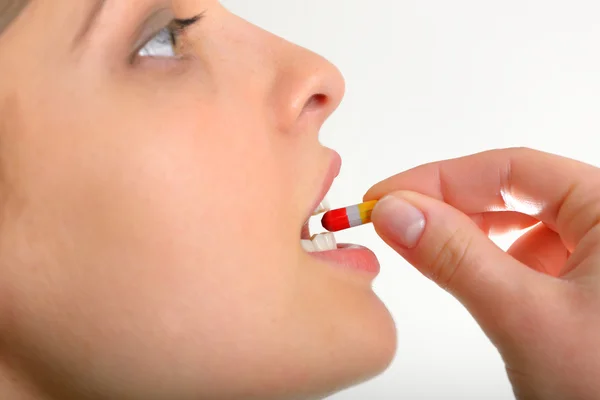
[{"x": 152, "y": 209}]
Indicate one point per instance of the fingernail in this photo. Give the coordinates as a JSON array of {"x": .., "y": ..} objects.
[{"x": 400, "y": 221}]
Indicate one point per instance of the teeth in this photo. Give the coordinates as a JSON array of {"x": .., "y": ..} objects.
[
  {"x": 324, "y": 241},
  {"x": 323, "y": 207},
  {"x": 307, "y": 245},
  {"x": 320, "y": 242}
]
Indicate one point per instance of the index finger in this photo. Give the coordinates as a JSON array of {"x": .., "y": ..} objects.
[{"x": 561, "y": 192}]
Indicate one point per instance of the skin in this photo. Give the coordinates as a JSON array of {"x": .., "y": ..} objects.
[
  {"x": 151, "y": 214},
  {"x": 539, "y": 303}
]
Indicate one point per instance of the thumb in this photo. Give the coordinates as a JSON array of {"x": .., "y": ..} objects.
[{"x": 448, "y": 247}]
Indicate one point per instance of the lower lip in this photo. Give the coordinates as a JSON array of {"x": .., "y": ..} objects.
[{"x": 351, "y": 256}]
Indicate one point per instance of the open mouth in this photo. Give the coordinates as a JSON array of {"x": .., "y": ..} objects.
[
  {"x": 324, "y": 245},
  {"x": 319, "y": 242}
]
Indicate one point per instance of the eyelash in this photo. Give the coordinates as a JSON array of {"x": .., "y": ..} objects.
[{"x": 179, "y": 25}]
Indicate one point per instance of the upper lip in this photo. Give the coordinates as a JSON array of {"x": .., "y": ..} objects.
[{"x": 335, "y": 165}]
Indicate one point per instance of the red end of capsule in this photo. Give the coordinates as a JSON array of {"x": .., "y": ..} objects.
[
  {"x": 335, "y": 220},
  {"x": 348, "y": 217}
]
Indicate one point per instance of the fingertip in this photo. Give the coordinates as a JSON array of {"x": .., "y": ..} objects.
[{"x": 399, "y": 220}]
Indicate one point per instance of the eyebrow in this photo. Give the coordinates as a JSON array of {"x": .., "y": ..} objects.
[{"x": 89, "y": 20}]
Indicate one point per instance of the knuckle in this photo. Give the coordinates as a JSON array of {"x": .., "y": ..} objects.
[
  {"x": 451, "y": 256},
  {"x": 579, "y": 214}
]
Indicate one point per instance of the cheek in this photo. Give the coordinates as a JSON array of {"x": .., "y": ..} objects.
[
  {"x": 187, "y": 213},
  {"x": 198, "y": 196},
  {"x": 164, "y": 252}
]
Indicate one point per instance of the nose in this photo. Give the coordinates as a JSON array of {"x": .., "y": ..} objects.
[{"x": 306, "y": 88}]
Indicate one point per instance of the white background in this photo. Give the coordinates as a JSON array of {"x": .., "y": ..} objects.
[{"x": 430, "y": 80}]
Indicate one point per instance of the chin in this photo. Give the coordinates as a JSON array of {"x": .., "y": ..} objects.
[
  {"x": 377, "y": 340},
  {"x": 366, "y": 349}
]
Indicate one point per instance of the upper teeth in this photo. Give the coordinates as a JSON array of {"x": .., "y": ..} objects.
[
  {"x": 323, "y": 207},
  {"x": 324, "y": 241},
  {"x": 320, "y": 242}
]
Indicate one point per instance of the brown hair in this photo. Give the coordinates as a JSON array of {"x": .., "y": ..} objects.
[{"x": 9, "y": 10}]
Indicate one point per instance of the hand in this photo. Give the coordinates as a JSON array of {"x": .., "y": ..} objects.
[{"x": 539, "y": 303}]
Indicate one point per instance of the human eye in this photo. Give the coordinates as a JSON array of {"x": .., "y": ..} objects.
[{"x": 164, "y": 43}]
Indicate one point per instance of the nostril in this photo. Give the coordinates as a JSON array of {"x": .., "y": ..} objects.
[{"x": 316, "y": 102}]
